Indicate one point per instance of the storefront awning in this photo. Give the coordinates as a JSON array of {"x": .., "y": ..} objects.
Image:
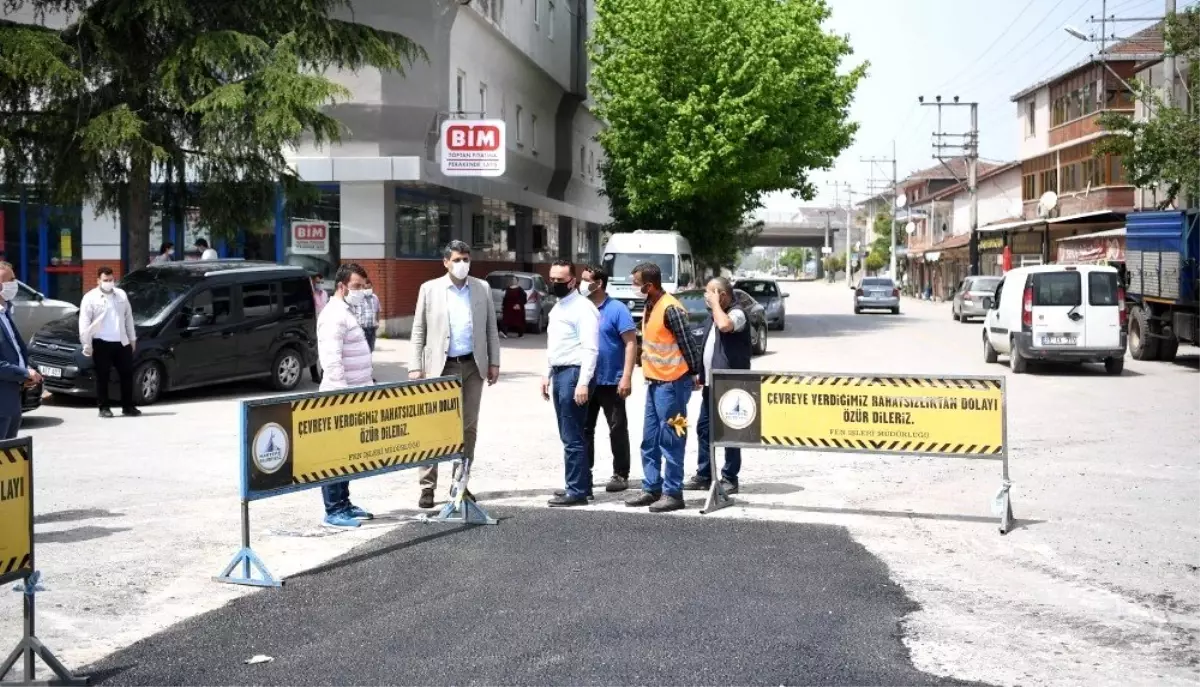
[
  {"x": 1092, "y": 216},
  {"x": 1107, "y": 233},
  {"x": 1008, "y": 226}
]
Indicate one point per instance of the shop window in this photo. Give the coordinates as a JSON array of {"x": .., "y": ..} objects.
[
  {"x": 493, "y": 233},
  {"x": 545, "y": 236},
  {"x": 325, "y": 209},
  {"x": 424, "y": 225}
]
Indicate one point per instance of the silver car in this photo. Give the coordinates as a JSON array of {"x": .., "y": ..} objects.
[
  {"x": 538, "y": 302},
  {"x": 877, "y": 293},
  {"x": 32, "y": 310},
  {"x": 972, "y": 296}
]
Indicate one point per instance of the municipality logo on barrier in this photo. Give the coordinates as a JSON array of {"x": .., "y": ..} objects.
[
  {"x": 737, "y": 409},
  {"x": 270, "y": 448}
]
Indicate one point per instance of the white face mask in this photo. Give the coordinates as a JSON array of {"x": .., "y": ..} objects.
[
  {"x": 355, "y": 297},
  {"x": 585, "y": 288},
  {"x": 107, "y": 286},
  {"x": 367, "y": 292},
  {"x": 459, "y": 270},
  {"x": 8, "y": 290}
]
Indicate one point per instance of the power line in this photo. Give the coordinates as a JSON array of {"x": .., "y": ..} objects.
[{"x": 1003, "y": 33}]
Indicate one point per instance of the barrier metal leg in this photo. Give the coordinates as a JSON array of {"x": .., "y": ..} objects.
[
  {"x": 248, "y": 560},
  {"x": 460, "y": 509},
  {"x": 717, "y": 498},
  {"x": 30, "y": 646},
  {"x": 1002, "y": 506}
]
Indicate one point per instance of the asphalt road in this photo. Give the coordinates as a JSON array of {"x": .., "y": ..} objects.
[{"x": 558, "y": 597}]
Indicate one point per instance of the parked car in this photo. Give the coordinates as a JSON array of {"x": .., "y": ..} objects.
[
  {"x": 877, "y": 293},
  {"x": 199, "y": 323},
  {"x": 693, "y": 300},
  {"x": 770, "y": 296},
  {"x": 31, "y": 310},
  {"x": 969, "y": 297},
  {"x": 538, "y": 302},
  {"x": 1058, "y": 313}
]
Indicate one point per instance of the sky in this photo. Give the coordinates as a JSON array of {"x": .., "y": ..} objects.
[{"x": 980, "y": 50}]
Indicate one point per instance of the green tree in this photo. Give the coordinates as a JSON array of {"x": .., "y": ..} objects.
[
  {"x": 835, "y": 263},
  {"x": 881, "y": 247},
  {"x": 712, "y": 103},
  {"x": 204, "y": 95},
  {"x": 875, "y": 262},
  {"x": 1162, "y": 151},
  {"x": 795, "y": 258}
]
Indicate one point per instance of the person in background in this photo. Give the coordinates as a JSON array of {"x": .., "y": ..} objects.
[
  {"x": 368, "y": 314},
  {"x": 513, "y": 307},
  {"x": 671, "y": 363},
  {"x": 617, "y": 353},
  {"x": 15, "y": 373},
  {"x": 109, "y": 338},
  {"x": 346, "y": 362},
  {"x": 454, "y": 334},
  {"x": 320, "y": 298},
  {"x": 727, "y": 346},
  {"x": 571, "y": 353},
  {"x": 165, "y": 253},
  {"x": 206, "y": 253}
]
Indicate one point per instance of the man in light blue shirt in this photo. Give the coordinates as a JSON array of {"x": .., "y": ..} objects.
[
  {"x": 458, "y": 311},
  {"x": 614, "y": 374}
]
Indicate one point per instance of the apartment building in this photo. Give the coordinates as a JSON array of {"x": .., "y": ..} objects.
[{"x": 384, "y": 200}]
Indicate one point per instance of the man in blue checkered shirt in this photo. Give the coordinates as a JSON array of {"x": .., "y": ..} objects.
[{"x": 368, "y": 315}]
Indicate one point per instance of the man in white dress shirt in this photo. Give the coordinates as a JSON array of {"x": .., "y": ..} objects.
[
  {"x": 572, "y": 344},
  {"x": 109, "y": 337}
]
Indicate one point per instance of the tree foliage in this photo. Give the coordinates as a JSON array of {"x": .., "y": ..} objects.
[
  {"x": 204, "y": 96},
  {"x": 1164, "y": 150},
  {"x": 796, "y": 258},
  {"x": 712, "y": 103},
  {"x": 835, "y": 263}
]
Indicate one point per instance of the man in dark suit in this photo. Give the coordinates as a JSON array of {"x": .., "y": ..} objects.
[{"x": 15, "y": 373}]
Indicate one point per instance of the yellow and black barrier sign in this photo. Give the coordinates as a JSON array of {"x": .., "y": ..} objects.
[
  {"x": 297, "y": 442},
  {"x": 958, "y": 416},
  {"x": 16, "y": 509}
]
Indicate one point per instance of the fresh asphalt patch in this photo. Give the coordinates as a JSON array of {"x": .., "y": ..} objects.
[{"x": 558, "y": 597}]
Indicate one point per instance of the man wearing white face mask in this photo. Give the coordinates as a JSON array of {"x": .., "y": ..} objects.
[
  {"x": 454, "y": 334},
  {"x": 109, "y": 338},
  {"x": 367, "y": 313},
  {"x": 15, "y": 373}
]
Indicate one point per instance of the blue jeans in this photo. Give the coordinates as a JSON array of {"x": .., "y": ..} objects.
[
  {"x": 733, "y": 456},
  {"x": 572, "y": 421},
  {"x": 337, "y": 497},
  {"x": 665, "y": 401}
]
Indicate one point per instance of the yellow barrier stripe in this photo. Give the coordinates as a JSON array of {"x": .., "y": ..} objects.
[
  {"x": 891, "y": 446},
  {"x": 870, "y": 380},
  {"x": 16, "y": 454},
  {"x": 379, "y": 464}
]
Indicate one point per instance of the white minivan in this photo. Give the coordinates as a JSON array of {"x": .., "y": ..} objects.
[
  {"x": 1057, "y": 313},
  {"x": 667, "y": 249}
]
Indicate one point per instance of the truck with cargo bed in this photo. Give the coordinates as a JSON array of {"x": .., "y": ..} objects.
[{"x": 1163, "y": 294}]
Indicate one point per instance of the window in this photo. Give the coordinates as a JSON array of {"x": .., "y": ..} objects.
[
  {"x": 620, "y": 266},
  {"x": 501, "y": 280},
  {"x": 591, "y": 164},
  {"x": 424, "y": 224},
  {"x": 1029, "y": 187},
  {"x": 582, "y": 160},
  {"x": 1102, "y": 288},
  {"x": 687, "y": 271},
  {"x": 298, "y": 296},
  {"x": 211, "y": 308},
  {"x": 1031, "y": 118},
  {"x": 1048, "y": 180},
  {"x": 520, "y": 115},
  {"x": 482, "y": 99},
  {"x": 1059, "y": 289},
  {"x": 1116, "y": 171},
  {"x": 537, "y": 12},
  {"x": 533, "y": 133},
  {"x": 460, "y": 91},
  {"x": 550, "y": 20},
  {"x": 545, "y": 236},
  {"x": 259, "y": 300},
  {"x": 24, "y": 293}
]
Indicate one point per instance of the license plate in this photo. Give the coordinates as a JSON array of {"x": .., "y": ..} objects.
[
  {"x": 47, "y": 371},
  {"x": 1058, "y": 340},
  {"x": 879, "y": 294}
]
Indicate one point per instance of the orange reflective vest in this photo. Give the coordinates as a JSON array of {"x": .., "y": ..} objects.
[{"x": 662, "y": 359}]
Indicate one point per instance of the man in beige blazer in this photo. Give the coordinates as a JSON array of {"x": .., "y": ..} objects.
[{"x": 454, "y": 334}]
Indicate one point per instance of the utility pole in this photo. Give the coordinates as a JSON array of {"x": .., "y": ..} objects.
[
  {"x": 827, "y": 249},
  {"x": 849, "y": 225},
  {"x": 968, "y": 149},
  {"x": 894, "y": 188}
]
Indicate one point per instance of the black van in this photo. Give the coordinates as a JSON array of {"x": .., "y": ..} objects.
[{"x": 198, "y": 323}]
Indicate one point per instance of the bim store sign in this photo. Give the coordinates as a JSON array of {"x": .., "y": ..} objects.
[{"x": 473, "y": 147}]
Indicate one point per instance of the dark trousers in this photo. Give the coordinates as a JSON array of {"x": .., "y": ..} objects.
[
  {"x": 606, "y": 398},
  {"x": 9, "y": 424},
  {"x": 571, "y": 419},
  {"x": 337, "y": 497},
  {"x": 733, "y": 456},
  {"x": 370, "y": 334},
  {"x": 107, "y": 355}
]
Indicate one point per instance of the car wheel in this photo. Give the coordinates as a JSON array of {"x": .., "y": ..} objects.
[
  {"x": 147, "y": 383},
  {"x": 760, "y": 346},
  {"x": 1114, "y": 366},
  {"x": 989, "y": 353},
  {"x": 1142, "y": 346},
  {"x": 1017, "y": 362},
  {"x": 895, "y": 311},
  {"x": 857, "y": 311},
  {"x": 287, "y": 369}
]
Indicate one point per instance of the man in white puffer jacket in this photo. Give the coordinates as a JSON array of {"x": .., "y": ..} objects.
[{"x": 345, "y": 362}]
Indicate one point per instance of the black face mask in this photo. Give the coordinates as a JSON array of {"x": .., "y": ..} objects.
[{"x": 560, "y": 290}]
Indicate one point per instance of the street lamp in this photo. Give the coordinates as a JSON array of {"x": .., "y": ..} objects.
[{"x": 1077, "y": 33}]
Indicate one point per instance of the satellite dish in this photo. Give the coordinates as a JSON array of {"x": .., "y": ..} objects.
[
  {"x": 910, "y": 228},
  {"x": 1016, "y": 209},
  {"x": 901, "y": 200},
  {"x": 1048, "y": 202}
]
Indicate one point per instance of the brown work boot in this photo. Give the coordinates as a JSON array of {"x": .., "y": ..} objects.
[
  {"x": 642, "y": 500},
  {"x": 426, "y": 500},
  {"x": 667, "y": 504}
]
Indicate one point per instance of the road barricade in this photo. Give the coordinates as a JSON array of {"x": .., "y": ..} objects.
[
  {"x": 908, "y": 415},
  {"x": 304, "y": 441},
  {"x": 17, "y": 560}
]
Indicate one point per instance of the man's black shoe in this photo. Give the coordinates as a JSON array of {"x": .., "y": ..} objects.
[
  {"x": 563, "y": 492},
  {"x": 131, "y": 412},
  {"x": 642, "y": 500},
  {"x": 695, "y": 483},
  {"x": 105, "y": 412},
  {"x": 426, "y": 500},
  {"x": 564, "y": 500}
]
